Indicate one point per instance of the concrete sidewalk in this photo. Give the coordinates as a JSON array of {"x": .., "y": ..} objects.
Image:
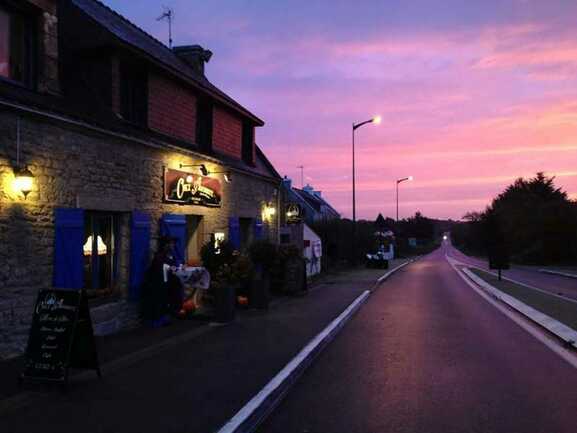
[{"x": 196, "y": 383}]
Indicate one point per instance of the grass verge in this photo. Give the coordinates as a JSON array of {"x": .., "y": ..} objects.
[{"x": 557, "y": 308}]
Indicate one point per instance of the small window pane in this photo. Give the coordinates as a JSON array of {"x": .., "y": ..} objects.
[
  {"x": 4, "y": 44},
  {"x": 18, "y": 49},
  {"x": 100, "y": 253}
]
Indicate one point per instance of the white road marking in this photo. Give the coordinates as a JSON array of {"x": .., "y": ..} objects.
[
  {"x": 565, "y": 298},
  {"x": 559, "y": 273},
  {"x": 243, "y": 414},
  {"x": 554, "y": 346},
  {"x": 252, "y": 406}
]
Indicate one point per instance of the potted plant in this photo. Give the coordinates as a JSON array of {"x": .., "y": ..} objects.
[
  {"x": 244, "y": 271},
  {"x": 291, "y": 269},
  {"x": 224, "y": 281},
  {"x": 263, "y": 254}
]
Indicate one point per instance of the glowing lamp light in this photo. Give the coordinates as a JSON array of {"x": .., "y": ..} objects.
[
  {"x": 269, "y": 212},
  {"x": 23, "y": 181},
  {"x": 410, "y": 178},
  {"x": 101, "y": 247},
  {"x": 377, "y": 120},
  {"x": 189, "y": 178},
  {"x": 445, "y": 237}
]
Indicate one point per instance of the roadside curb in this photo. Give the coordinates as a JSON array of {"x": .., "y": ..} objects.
[
  {"x": 520, "y": 283},
  {"x": 253, "y": 413},
  {"x": 560, "y": 330},
  {"x": 392, "y": 271},
  {"x": 561, "y": 274}
]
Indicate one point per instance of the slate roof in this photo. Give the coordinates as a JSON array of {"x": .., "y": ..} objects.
[
  {"x": 314, "y": 201},
  {"x": 134, "y": 36}
]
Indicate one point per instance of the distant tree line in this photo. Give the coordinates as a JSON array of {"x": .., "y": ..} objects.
[
  {"x": 537, "y": 220},
  {"x": 337, "y": 237}
]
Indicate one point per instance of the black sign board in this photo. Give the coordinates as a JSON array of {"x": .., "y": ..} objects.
[
  {"x": 60, "y": 338},
  {"x": 497, "y": 246},
  {"x": 187, "y": 188}
]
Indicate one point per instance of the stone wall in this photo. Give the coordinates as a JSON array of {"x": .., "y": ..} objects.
[{"x": 74, "y": 167}]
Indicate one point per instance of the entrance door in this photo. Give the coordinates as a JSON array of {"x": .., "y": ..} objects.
[
  {"x": 196, "y": 238},
  {"x": 246, "y": 232}
]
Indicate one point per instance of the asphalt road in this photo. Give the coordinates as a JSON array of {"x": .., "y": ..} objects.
[
  {"x": 428, "y": 354},
  {"x": 551, "y": 283}
]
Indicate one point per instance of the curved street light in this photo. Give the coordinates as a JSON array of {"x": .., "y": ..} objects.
[
  {"x": 376, "y": 120},
  {"x": 410, "y": 178}
]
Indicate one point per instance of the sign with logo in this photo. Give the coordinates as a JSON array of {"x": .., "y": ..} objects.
[
  {"x": 294, "y": 213},
  {"x": 187, "y": 188}
]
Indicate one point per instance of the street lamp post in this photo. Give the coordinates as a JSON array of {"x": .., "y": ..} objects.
[
  {"x": 410, "y": 178},
  {"x": 376, "y": 120}
]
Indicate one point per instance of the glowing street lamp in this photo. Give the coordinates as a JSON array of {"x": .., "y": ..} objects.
[
  {"x": 376, "y": 120},
  {"x": 404, "y": 179}
]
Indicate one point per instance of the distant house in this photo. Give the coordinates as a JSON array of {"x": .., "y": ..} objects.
[{"x": 315, "y": 207}]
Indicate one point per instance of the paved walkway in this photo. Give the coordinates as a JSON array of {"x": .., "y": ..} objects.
[{"x": 195, "y": 384}]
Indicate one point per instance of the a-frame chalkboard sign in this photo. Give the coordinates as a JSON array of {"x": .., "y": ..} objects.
[{"x": 61, "y": 337}]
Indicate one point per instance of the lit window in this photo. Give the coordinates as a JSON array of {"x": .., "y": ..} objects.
[
  {"x": 218, "y": 239},
  {"x": 100, "y": 253}
]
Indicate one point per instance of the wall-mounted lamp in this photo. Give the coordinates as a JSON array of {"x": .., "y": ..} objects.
[
  {"x": 205, "y": 172},
  {"x": 268, "y": 212},
  {"x": 202, "y": 168},
  {"x": 23, "y": 178},
  {"x": 23, "y": 181}
]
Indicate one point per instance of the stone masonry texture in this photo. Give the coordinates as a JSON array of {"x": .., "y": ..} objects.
[{"x": 76, "y": 167}]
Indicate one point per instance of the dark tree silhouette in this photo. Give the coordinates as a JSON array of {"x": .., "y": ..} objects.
[{"x": 538, "y": 220}]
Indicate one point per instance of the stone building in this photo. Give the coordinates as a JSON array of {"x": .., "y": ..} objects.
[{"x": 126, "y": 140}]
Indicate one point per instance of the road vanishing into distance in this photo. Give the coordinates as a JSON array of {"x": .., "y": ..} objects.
[{"x": 428, "y": 354}]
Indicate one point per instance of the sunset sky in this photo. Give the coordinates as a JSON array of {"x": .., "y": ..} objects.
[{"x": 473, "y": 93}]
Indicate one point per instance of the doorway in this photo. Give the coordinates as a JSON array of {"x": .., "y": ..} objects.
[
  {"x": 246, "y": 232},
  {"x": 195, "y": 238}
]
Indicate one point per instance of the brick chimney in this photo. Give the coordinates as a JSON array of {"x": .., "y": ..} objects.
[{"x": 193, "y": 55}]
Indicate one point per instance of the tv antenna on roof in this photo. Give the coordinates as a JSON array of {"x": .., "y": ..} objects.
[{"x": 168, "y": 15}]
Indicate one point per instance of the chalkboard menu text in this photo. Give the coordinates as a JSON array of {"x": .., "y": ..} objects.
[{"x": 60, "y": 337}]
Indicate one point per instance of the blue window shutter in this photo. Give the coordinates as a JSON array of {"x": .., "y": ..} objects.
[
  {"x": 174, "y": 225},
  {"x": 258, "y": 228},
  {"x": 68, "y": 240},
  {"x": 234, "y": 232},
  {"x": 139, "y": 251}
]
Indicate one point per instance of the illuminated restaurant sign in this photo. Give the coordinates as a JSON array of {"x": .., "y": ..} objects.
[
  {"x": 294, "y": 213},
  {"x": 187, "y": 188}
]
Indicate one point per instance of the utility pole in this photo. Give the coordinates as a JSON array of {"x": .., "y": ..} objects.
[
  {"x": 302, "y": 167},
  {"x": 168, "y": 15}
]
